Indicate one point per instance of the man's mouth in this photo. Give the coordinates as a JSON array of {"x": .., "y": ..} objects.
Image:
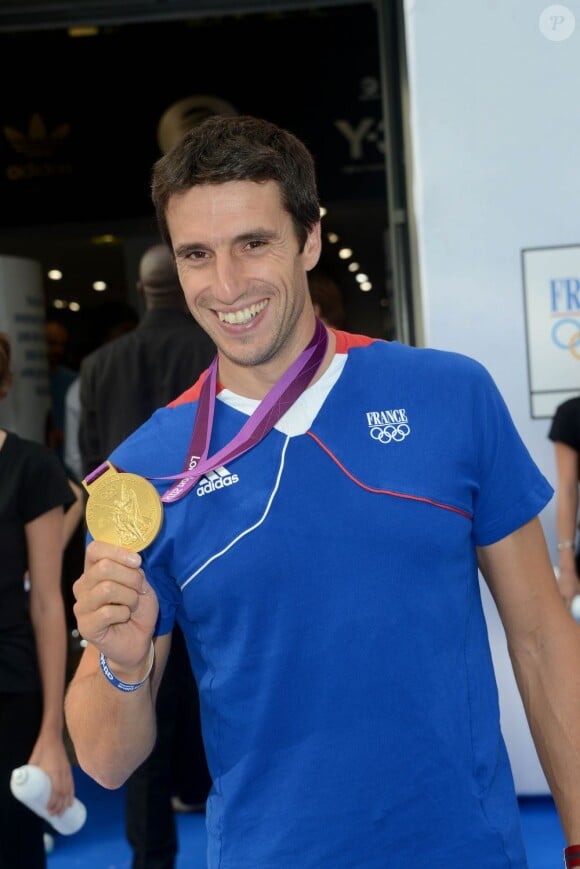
[{"x": 239, "y": 318}]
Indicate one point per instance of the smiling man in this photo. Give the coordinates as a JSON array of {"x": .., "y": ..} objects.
[{"x": 328, "y": 589}]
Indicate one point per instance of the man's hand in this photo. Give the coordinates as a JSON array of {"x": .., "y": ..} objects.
[{"x": 116, "y": 608}]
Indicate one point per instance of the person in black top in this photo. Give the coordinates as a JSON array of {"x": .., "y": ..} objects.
[
  {"x": 565, "y": 434},
  {"x": 34, "y": 493},
  {"x": 124, "y": 380},
  {"x": 121, "y": 384}
]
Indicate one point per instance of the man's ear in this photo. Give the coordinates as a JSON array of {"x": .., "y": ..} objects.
[{"x": 312, "y": 247}]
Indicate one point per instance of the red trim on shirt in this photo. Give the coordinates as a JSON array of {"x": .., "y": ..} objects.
[
  {"x": 191, "y": 394},
  {"x": 394, "y": 494},
  {"x": 344, "y": 342}
]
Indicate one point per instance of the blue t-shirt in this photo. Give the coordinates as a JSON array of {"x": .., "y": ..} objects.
[{"x": 327, "y": 586}]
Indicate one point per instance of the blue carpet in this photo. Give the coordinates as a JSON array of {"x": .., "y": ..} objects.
[
  {"x": 101, "y": 843},
  {"x": 542, "y": 832}
]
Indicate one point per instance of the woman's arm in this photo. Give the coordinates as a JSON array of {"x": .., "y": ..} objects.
[
  {"x": 567, "y": 518},
  {"x": 44, "y": 536},
  {"x": 74, "y": 514}
]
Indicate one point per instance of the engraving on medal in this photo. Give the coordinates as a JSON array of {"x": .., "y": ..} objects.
[{"x": 124, "y": 509}]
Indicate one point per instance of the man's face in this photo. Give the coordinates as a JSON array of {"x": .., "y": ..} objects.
[{"x": 239, "y": 264}]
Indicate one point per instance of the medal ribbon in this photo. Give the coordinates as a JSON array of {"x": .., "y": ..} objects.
[{"x": 273, "y": 406}]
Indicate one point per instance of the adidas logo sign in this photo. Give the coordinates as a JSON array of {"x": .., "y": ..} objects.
[
  {"x": 218, "y": 479},
  {"x": 37, "y": 142}
]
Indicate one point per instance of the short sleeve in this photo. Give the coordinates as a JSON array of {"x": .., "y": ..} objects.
[
  {"x": 512, "y": 490},
  {"x": 45, "y": 484}
]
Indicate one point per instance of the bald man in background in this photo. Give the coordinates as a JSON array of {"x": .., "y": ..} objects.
[
  {"x": 121, "y": 384},
  {"x": 125, "y": 380}
]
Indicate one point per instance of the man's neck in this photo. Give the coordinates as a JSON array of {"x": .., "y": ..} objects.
[{"x": 253, "y": 381}]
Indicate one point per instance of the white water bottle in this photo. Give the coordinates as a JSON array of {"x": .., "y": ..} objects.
[
  {"x": 575, "y": 603},
  {"x": 32, "y": 786}
]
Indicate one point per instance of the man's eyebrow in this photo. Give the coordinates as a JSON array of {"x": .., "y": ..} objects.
[
  {"x": 258, "y": 232},
  {"x": 183, "y": 250},
  {"x": 251, "y": 234}
]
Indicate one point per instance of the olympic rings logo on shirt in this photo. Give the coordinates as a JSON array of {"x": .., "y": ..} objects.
[
  {"x": 385, "y": 434},
  {"x": 565, "y": 339}
]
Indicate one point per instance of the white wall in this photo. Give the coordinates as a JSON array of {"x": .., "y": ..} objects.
[{"x": 495, "y": 162}]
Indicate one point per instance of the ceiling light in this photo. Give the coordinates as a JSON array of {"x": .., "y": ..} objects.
[
  {"x": 74, "y": 306},
  {"x": 54, "y": 274},
  {"x": 353, "y": 267},
  {"x": 361, "y": 277},
  {"x": 366, "y": 286},
  {"x": 332, "y": 237},
  {"x": 345, "y": 253},
  {"x": 99, "y": 286},
  {"x": 106, "y": 238},
  {"x": 83, "y": 30}
]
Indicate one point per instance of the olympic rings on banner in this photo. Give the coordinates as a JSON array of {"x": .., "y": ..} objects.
[{"x": 572, "y": 343}]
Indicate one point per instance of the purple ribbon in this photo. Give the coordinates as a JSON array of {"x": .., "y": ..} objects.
[{"x": 273, "y": 406}]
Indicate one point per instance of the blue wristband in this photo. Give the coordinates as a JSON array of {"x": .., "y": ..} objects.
[{"x": 126, "y": 686}]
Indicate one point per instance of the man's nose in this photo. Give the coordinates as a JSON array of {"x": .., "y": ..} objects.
[{"x": 229, "y": 284}]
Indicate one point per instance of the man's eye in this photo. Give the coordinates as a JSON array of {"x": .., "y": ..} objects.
[{"x": 255, "y": 243}]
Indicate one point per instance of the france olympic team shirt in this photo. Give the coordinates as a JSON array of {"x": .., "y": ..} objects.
[{"x": 326, "y": 582}]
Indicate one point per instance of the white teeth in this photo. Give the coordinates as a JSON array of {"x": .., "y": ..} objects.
[{"x": 243, "y": 316}]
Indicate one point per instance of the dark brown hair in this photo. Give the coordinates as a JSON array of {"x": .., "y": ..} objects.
[
  {"x": 239, "y": 148},
  {"x": 326, "y": 294}
]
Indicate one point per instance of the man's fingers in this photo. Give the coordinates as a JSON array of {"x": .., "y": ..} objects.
[
  {"x": 97, "y": 550},
  {"x": 109, "y": 592},
  {"x": 107, "y": 571},
  {"x": 113, "y": 600}
]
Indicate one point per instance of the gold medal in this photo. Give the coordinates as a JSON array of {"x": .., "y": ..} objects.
[{"x": 124, "y": 509}]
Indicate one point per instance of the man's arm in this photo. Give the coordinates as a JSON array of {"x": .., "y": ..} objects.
[
  {"x": 544, "y": 647},
  {"x": 112, "y": 730}
]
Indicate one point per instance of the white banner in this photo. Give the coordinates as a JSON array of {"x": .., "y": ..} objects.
[
  {"x": 22, "y": 317},
  {"x": 552, "y": 308}
]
